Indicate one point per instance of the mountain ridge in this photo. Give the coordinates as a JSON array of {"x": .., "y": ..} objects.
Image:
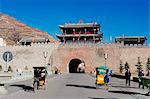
[{"x": 12, "y": 30}]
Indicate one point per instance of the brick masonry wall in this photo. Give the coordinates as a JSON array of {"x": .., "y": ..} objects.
[
  {"x": 60, "y": 55},
  {"x": 131, "y": 56},
  {"x": 94, "y": 56}
]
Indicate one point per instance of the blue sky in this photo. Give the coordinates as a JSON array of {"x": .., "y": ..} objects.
[{"x": 117, "y": 17}]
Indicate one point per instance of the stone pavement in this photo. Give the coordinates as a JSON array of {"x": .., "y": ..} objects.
[
  {"x": 76, "y": 86},
  {"x": 118, "y": 86},
  {"x": 15, "y": 77},
  {"x": 9, "y": 78}
]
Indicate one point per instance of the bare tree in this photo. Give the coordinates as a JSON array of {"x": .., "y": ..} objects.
[
  {"x": 16, "y": 37},
  {"x": 139, "y": 66},
  {"x": 26, "y": 68},
  {"x": 126, "y": 66},
  {"x": 1, "y": 68},
  {"x": 10, "y": 69},
  {"x": 121, "y": 67}
]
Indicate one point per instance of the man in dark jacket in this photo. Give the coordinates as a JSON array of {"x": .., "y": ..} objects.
[
  {"x": 106, "y": 78},
  {"x": 128, "y": 77},
  {"x": 140, "y": 75}
]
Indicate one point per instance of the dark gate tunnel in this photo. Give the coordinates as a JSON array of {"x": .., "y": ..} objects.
[{"x": 73, "y": 65}]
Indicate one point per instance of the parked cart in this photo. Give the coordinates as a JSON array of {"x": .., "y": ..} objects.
[
  {"x": 40, "y": 74},
  {"x": 146, "y": 82}
]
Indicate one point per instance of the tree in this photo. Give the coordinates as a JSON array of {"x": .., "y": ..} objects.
[
  {"x": 139, "y": 66},
  {"x": 10, "y": 69},
  {"x": 16, "y": 37},
  {"x": 148, "y": 66},
  {"x": 121, "y": 67},
  {"x": 1, "y": 68},
  {"x": 26, "y": 68},
  {"x": 126, "y": 66}
]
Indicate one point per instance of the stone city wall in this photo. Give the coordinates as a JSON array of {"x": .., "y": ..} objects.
[
  {"x": 131, "y": 54},
  {"x": 59, "y": 55},
  {"x": 27, "y": 55},
  {"x": 93, "y": 55}
]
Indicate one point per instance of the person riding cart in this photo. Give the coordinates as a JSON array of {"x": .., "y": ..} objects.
[
  {"x": 102, "y": 77},
  {"x": 40, "y": 74}
]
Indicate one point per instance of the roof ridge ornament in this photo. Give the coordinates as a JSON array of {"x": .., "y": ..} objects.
[{"x": 81, "y": 21}]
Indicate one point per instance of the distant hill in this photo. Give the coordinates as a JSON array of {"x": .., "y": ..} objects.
[{"x": 12, "y": 30}]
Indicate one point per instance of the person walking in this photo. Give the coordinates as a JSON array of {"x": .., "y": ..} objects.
[
  {"x": 128, "y": 77},
  {"x": 81, "y": 68},
  {"x": 140, "y": 74},
  {"x": 106, "y": 78}
]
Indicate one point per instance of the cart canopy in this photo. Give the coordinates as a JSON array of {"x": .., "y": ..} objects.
[{"x": 102, "y": 70}]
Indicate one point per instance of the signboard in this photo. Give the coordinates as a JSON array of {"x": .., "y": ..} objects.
[{"x": 7, "y": 56}]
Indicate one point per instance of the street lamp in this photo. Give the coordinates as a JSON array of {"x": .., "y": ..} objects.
[
  {"x": 105, "y": 57},
  {"x": 45, "y": 56}
]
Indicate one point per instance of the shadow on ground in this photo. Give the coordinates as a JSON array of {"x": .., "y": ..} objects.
[
  {"x": 81, "y": 86},
  {"x": 127, "y": 92},
  {"x": 125, "y": 87},
  {"x": 24, "y": 87},
  {"x": 101, "y": 98}
]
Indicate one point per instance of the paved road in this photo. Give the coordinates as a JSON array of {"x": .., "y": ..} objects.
[{"x": 75, "y": 86}]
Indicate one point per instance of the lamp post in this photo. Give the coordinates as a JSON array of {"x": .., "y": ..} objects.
[
  {"x": 105, "y": 57},
  {"x": 45, "y": 56},
  {"x": 7, "y": 59}
]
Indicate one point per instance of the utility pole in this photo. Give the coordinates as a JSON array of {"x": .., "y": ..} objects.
[{"x": 105, "y": 57}]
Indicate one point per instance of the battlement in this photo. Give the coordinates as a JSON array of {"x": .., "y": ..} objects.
[
  {"x": 87, "y": 44},
  {"x": 32, "y": 45},
  {"x": 77, "y": 45},
  {"x": 135, "y": 46}
]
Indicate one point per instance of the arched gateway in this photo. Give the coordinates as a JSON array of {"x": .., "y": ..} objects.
[{"x": 74, "y": 66}]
